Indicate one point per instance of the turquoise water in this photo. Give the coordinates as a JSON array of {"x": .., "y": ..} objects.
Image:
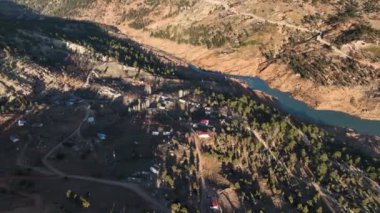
[
  {"x": 303, "y": 112},
  {"x": 306, "y": 113}
]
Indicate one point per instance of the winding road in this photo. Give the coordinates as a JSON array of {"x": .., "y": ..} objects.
[
  {"x": 317, "y": 33},
  {"x": 54, "y": 171}
]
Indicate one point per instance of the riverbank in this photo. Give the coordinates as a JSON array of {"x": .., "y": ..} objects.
[
  {"x": 300, "y": 110},
  {"x": 282, "y": 100},
  {"x": 348, "y": 100}
]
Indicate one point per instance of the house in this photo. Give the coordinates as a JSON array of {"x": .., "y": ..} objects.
[
  {"x": 208, "y": 108},
  {"x": 203, "y": 135},
  {"x": 91, "y": 120},
  {"x": 39, "y": 125},
  {"x": 205, "y": 122},
  {"x": 154, "y": 170},
  {"x": 164, "y": 97},
  {"x": 214, "y": 204},
  {"x": 195, "y": 104},
  {"x": 102, "y": 136},
  {"x": 162, "y": 106},
  {"x": 14, "y": 138},
  {"x": 69, "y": 103},
  {"x": 21, "y": 122},
  {"x": 167, "y": 133}
]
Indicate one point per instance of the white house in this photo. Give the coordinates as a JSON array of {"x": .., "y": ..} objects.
[
  {"x": 91, "y": 120},
  {"x": 21, "y": 122},
  {"x": 154, "y": 170}
]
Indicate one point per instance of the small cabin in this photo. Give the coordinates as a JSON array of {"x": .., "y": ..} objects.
[{"x": 203, "y": 135}]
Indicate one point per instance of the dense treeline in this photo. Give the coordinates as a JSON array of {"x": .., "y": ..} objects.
[
  {"x": 300, "y": 160},
  {"x": 271, "y": 161}
]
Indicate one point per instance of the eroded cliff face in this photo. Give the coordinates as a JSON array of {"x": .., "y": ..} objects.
[{"x": 323, "y": 55}]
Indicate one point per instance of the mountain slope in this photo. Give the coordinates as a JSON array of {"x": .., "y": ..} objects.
[{"x": 275, "y": 40}]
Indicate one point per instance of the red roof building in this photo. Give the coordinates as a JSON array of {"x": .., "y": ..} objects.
[
  {"x": 205, "y": 122},
  {"x": 214, "y": 204}
]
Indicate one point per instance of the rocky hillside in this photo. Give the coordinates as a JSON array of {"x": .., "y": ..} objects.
[
  {"x": 42, "y": 55},
  {"x": 324, "y": 53}
]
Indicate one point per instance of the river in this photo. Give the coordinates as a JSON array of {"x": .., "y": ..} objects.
[{"x": 303, "y": 112}]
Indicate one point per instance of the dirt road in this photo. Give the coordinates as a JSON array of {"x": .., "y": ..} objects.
[
  {"x": 54, "y": 171},
  {"x": 204, "y": 196},
  {"x": 294, "y": 27},
  {"x": 325, "y": 196},
  {"x": 133, "y": 187}
]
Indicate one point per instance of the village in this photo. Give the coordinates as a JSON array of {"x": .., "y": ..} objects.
[
  {"x": 93, "y": 121},
  {"x": 120, "y": 136},
  {"x": 171, "y": 143}
]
